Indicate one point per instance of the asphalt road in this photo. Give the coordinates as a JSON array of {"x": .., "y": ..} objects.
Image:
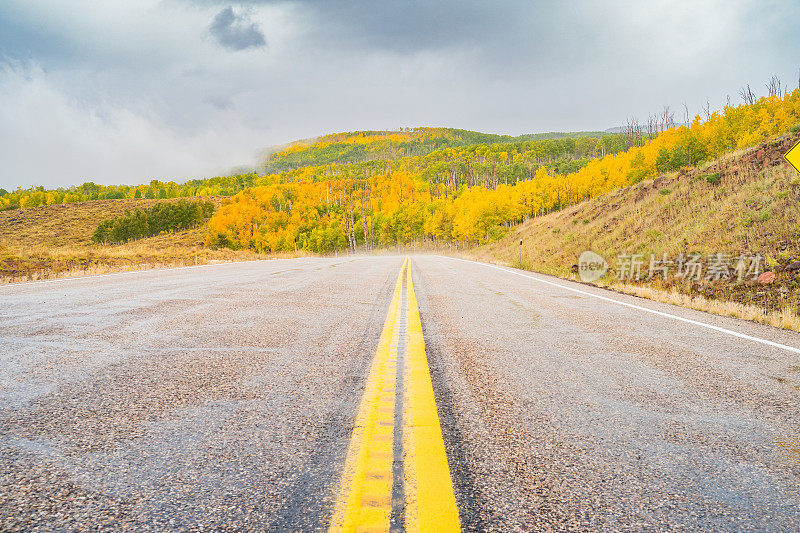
[{"x": 223, "y": 398}]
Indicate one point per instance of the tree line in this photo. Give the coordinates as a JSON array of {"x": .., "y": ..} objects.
[
  {"x": 160, "y": 218},
  {"x": 345, "y": 153}
]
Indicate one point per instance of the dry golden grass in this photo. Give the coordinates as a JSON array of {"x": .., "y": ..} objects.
[
  {"x": 754, "y": 208},
  {"x": 785, "y": 318},
  {"x": 55, "y": 241}
]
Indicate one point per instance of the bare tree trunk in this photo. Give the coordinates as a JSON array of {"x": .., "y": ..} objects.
[
  {"x": 774, "y": 86},
  {"x": 352, "y": 209},
  {"x": 371, "y": 217},
  {"x": 747, "y": 95},
  {"x": 364, "y": 214}
]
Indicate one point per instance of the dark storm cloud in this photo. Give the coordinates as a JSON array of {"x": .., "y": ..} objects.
[
  {"x": 235, "y": 31},
  {"x": 405, "y": 26},
  {"x": 503, "y": 37},
  {"x": 408, "y": 26}
]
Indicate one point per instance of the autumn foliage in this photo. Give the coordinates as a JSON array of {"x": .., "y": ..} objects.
[{"x": 465, "y": 193}]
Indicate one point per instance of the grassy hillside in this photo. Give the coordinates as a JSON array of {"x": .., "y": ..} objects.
[
  {"x": 747, "y": 202},
  {"x": 55, "y": 240}
]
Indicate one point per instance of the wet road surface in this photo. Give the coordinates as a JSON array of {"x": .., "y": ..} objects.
[{"x": 224, "y": 397}]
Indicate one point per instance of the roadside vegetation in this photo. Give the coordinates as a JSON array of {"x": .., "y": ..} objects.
[
  {"x": 747, "y": 202},
  {"x": 163, "y": 217}
]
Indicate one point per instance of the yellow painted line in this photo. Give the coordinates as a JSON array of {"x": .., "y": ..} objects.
[
  {"x": 430, "y": 501},
  {"x": 364, "y": 502}
]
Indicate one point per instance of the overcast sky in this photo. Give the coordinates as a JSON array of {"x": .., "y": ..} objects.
[{"x": 123, "y": 91}]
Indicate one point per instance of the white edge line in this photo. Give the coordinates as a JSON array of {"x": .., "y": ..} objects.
[{"x": 634, "y": 306}]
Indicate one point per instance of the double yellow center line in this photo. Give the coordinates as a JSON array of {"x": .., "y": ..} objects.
[{"x": 365, "y": 500}]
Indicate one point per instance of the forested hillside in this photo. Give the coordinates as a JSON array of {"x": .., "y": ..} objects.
[
  {"x": 354, "y": 147},
  {"x": 341, "y": 148},
  {"x": 469, "y": 193},
  {"x": 389, "y": 201}
]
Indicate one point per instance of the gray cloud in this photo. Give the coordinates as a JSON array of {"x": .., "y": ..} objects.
[
  {"x": 122, "y": 92},
  {"x": 235, "y": 31},
  {"x": 404, "y": 26}
]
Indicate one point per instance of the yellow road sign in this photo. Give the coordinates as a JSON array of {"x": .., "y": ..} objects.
[{"x": 793, "y": 156}]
